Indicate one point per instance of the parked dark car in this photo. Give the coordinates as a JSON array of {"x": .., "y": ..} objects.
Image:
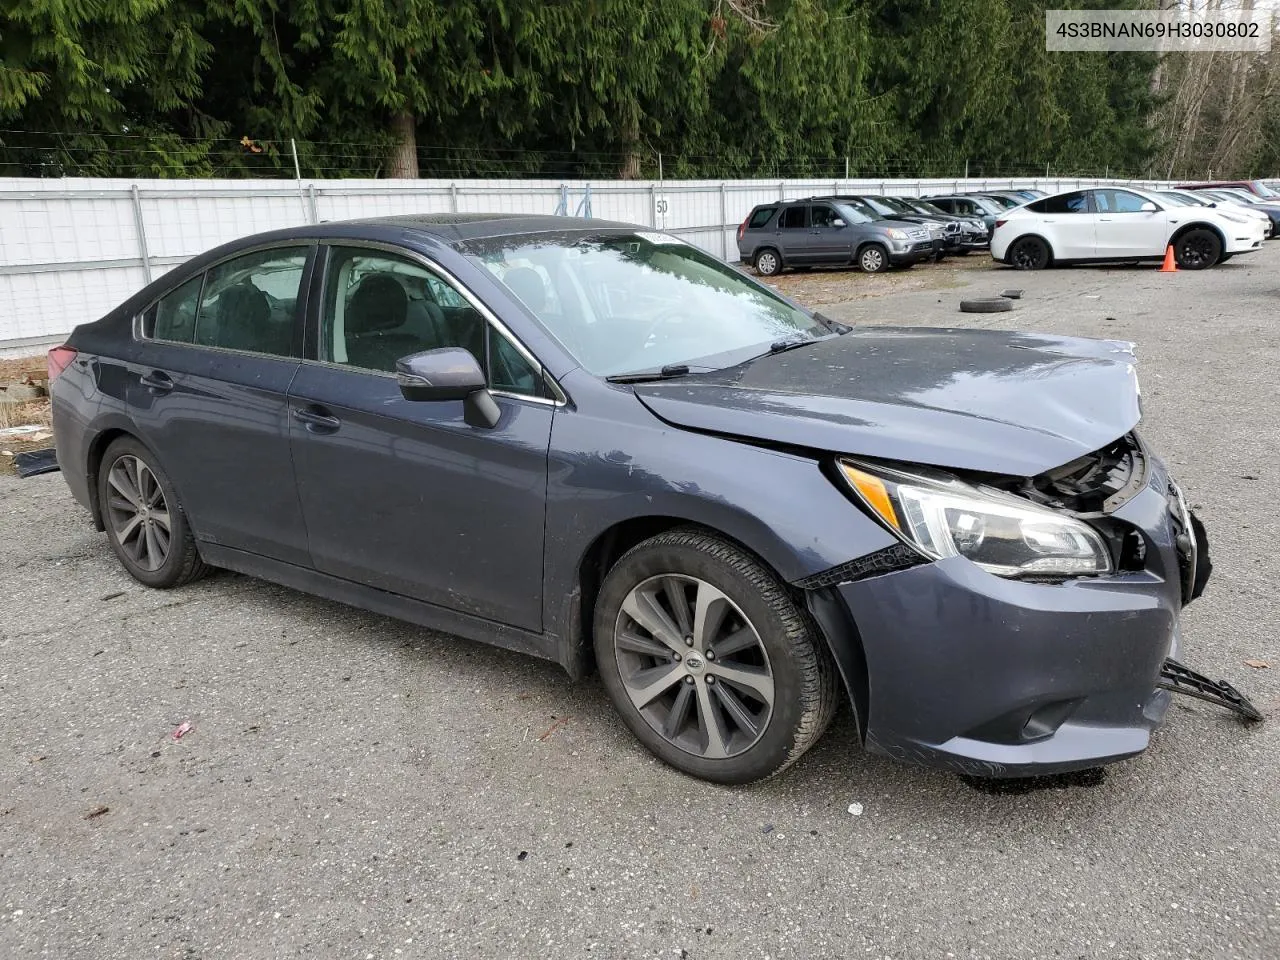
[
  {"x": 594, "y": 443},
  {"x": 973, "y": 232},
  {"x": 1249, "y": 201},
  {"x": 816, "y": 232},
  {"x": 967, "y": 206},
  {"x": 1259, "y": 188},
  {"x": 945, "y": 234}
]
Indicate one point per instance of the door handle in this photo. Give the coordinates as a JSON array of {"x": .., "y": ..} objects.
[
  {"x": 157, "y": 381},
  {"x": 315, "y": 420}
]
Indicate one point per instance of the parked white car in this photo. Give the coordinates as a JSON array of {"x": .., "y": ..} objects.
[{"x": 1114, "y": 223}]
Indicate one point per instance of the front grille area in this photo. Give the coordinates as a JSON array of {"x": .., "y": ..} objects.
[{"x": 1099, "y": 482}]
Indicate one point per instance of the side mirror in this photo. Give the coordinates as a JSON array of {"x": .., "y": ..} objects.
[
  {"x": 837, "y": 223},
  {"x": 450, "y": 373},
  {"x": 1149, "y": 207}
]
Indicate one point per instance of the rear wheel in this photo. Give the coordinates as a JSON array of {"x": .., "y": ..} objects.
[
  {"x": 1028, "y": 253},
  {"x": 1197, "y": 249},
  {"x": 873, "y": 258},
  {"x": 768, "y": 262},
  {"x": 708, "y": 659},
  {"x": 145, "y": 522}
]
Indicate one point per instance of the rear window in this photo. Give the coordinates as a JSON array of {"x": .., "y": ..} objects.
[
  {"x": 761, "y": 217},
  {"x": 1064, "y": 203}
]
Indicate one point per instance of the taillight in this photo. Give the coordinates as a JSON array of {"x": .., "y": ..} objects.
[
  {"x": 1001, "y": 223},
  {"x": 59, "y": 359},
  {"x": 742, "y": 228}
]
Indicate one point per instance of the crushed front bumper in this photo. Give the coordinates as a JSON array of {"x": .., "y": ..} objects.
[{"x": 961, "y": 669}]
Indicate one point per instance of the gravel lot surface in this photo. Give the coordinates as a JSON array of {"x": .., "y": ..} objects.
[{"x": 354, "y": 787}]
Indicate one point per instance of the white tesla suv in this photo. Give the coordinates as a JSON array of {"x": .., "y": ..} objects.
[{"x": 1120, "y": 223}]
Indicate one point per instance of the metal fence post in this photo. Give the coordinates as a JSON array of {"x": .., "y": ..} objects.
[
  {"x": 142, "y": 232},
  {"x": 315, "y": 210},
  {"x": 724, "y": 241},
  {"x": 453, "y": 197},
  {"x": 653, "y": 204}
]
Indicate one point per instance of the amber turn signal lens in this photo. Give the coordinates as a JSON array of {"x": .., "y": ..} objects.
[{"x": 873, "y": 493}]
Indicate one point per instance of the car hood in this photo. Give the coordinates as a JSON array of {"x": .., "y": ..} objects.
[{"x": 1009, "y": 403}]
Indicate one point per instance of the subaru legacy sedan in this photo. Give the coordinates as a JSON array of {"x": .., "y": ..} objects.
[{"x": 596, "y": 444}]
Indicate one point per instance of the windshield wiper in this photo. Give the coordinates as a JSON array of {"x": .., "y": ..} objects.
[
  {"x": 640, "y": 376},
  {"x": 835, "y": 326}
]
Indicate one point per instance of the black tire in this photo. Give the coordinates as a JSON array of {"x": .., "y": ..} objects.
[
  {"x": 873, "y": 258},
  {"x": 150, "y": 558},
  {"x": 768, "y": 262},
  {"x": 1225, "y": 257},
  {"x": 986, "y": 305},
  {"x": 1197, "y": 249},
  {"x": 1028, "y": 253},
  {"x": 784, "y": 639}
]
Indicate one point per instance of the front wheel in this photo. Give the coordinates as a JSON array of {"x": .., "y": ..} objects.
[
  {"x": 708, "y": 659},
  {"x": 1028, "y": 253},
  {"x": 145, "y": 522},
  {"x": 1197, "y": 249},
  {"x": 873, "y": 258}
]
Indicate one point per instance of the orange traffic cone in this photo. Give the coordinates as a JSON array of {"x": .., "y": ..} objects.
[{"x": 1169, "y": 265}]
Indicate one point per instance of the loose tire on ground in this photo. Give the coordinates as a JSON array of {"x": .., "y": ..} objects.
[
  {"x": 777, "y": 688},
  {"x": 986, "y": 305},
  {"x": 146, "y": 525}
]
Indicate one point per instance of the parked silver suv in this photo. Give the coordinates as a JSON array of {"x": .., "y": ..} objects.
[{"x": 811, "y": 232}]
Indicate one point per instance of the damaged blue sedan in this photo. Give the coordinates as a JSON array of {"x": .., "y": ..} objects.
[{"x": 600, "y": 445}]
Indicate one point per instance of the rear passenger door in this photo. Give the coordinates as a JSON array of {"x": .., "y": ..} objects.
[
  {"x": 406, "y": 496},
  {"x": 794, "y": 239},
  {"x": 207, "y": 391},
  {"x": 1068, "y": 223}
]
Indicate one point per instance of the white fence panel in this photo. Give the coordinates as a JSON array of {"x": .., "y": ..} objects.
[{"x": 70, "y": 250}]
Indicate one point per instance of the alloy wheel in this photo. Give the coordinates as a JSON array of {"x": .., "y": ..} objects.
[
  {"x": 767, "y": 264},
  {"x": 694, "y": 666},
  {"x": 1028, "y": 256},
  {"x": 872, "y": 260},
  {"x": 138, "y": 513},
  {"x": 1197, "y": 251}
]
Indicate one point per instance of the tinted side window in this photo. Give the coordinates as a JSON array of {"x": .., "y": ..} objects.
[
  {"x": 794, "y": 218},
  {"x": 173, "y": 317},
  {"x": 822, "y": 215},
  {"x": 1118, "y": 201},
  {"x": 761, "y": 217},
  {"x": 1077, "y": 202},
  {"x": 251, "y": 303},
  {"x": 379, "y": 307}
]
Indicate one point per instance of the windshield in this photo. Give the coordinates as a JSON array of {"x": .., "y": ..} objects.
[
  {"x": 901, "y": 206},
  {"x": 878, "y": 205},
  {"x": 852, "y": 214},
  {"x": 1176, "y": 199},
  {"x": 1267, "y": 189},
  {"x": 1003, "y": 203},
  {"x": 629, "y": 303},
  {"x": 924, "y": 206}
]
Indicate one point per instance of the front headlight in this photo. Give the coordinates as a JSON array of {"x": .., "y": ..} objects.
[
  {"x": 897, "y": 234},
  {"x": 1006, "y": 535}
]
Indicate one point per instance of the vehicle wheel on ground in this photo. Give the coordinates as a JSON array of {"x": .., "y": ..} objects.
[
  {"x": 1028, "y": 253},
  {"x": 1225, "y": 257},
  {"x": 145, "y": 522},
  {"x": 767, "y": 262},
  {"x": 873, "y": 258},
  {"x": 709, "y": 660},
  {"x": 1197, "y": 249},
  {"x": 986, "y": 305}
]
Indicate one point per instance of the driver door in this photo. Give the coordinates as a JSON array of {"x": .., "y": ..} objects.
[
  {"x": 1124, "y": 229},
  {"x": 829, "y": 243},
  {"x": 402, "y": 495}
]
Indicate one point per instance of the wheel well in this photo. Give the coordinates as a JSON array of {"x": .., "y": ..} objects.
[
  {"x": 1027, "y": 236},
  {"x": 869, "y": 243},
  {"x": 97, "y": 449},
  {"x": 755, "y": 254},
  {"x": 596, "y": 563},
  {"x": 1199, "y": 225}
]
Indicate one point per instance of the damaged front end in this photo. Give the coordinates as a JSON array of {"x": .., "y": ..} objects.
[{"x": 1064, "y": 667}]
